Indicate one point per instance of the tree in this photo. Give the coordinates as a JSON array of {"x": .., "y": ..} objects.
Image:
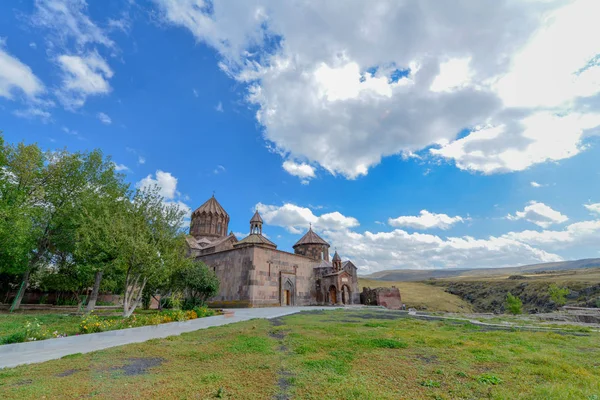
[
  {"x": 153, "y": 246},
  {"x": 100, "y": 227},
  {"x": 41, "y": 203},
  {"x": 514, "y": 305},
  {"x": 558, "y": 294},
  {"x": 199, "y": 282}
]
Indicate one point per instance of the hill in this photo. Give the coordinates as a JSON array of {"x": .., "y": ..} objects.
[{"x": 421, "y": 275}]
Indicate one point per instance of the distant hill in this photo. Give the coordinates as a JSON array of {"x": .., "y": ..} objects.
[{"x": 420, "y": 274}]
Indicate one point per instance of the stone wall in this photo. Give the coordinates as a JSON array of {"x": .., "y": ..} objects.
[
  {"x": 272, "y": 267},
  {"x": 314, "y": 251},
  {"x": 234, "y": 268},
  {"x": 386, "y": 297}
]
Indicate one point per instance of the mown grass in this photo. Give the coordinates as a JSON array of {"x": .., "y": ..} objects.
[
  {"x": 342, "y": 354},
  {"x": 422, "y": 296}
]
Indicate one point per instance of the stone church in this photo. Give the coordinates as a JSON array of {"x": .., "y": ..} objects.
[{"x": 254, "y": 273}]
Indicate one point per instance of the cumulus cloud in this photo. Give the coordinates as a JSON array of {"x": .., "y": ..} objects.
[
  {"x": 387, "y": 78},
  {"x": 375, "y": 251},
  {"x": 535, "y": 184},
  {"x": 576, "y": 234},
  {"x": 539, "y": 214},
  {"x": 301, "y": 170},
  {"x": 165, "y": 181},
  {"x": 595, "y": 208},
  {"x": 82, "y": 77},
  {"x": 105, "y": 119},
  {"x": 167, "y": 186},
  {"x": 297, "y": 219},
  {"x": 17, "y": 78},
  {"x": 425, "y": 220}
]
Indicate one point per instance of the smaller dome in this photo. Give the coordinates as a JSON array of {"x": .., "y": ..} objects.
[
  {"x": 256, "y": 218},
  {"x": 336, "y": 257}
]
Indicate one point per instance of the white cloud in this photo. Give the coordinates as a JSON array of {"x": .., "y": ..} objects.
[
  {"x": 67, "y": 22},
  {"x": 539, "y": 214},
  {"x": 537, "y": 138},
  {"x": 384, "y": 79},
  {"x": 141, "y": 160},
  {"x": 165, "y": 181},
  {"x": 375, "y": 251},
  {"x": 219, "y": 169},
  {"x": 535, "y": 184},
  {"x": 593, "y": 207},
  {"x": 576, "y": 234},
  {"x": 297, "y": 219},
  {"x": 105, "y": 119},
  {"x": 70, "y": 131},
  {"x": 426, "y": 220},
  {"x": 82, "y": 77},
  {"x": 16, "y": 77},
  {"x": 219, "y": 107},
  {"x": 301, "y": 170},
  {"x": 34, "y": 112},
  {"x": 195, "y": 92},
  {"x": 121, "y": 167}
]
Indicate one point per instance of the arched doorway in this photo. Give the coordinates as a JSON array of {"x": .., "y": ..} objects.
[
  {"x": 333, "y": 294},
  {"x": 346, "y": 295},
  {"x": 287, "y": 298}
]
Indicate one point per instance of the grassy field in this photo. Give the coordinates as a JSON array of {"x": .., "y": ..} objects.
[
  {"x": 422, "y": 296},
  {"x": 343, "y": 354}
]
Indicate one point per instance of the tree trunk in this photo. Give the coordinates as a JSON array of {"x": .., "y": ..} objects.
[
  {"x": 135, "y": 301},
  {"x": 17, "y": 303},
  {"x": 94, "y": 296}
]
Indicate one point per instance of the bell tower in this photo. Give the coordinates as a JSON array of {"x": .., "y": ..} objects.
[
  {"x": 256, "y": 224},
  {"x": 337, "y": 262}
]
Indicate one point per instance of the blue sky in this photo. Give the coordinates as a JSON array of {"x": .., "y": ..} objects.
[{"x": 410, "y": 136}]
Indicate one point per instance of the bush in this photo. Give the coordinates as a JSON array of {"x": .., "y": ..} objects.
[
  {"x": 203, "y": 312},
  {"x": 514, "y": 305},
  {"x": 191, "y": 302},
  {"x": 17, "y": 337},
  {"x": 558, "y": 294}
]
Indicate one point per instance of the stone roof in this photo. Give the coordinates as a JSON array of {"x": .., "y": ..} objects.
[
  {"x": 212, "y": 206},
  {"x": 345, "y": 263},
  {"x": 255, "y": 239},
  {"x": 310, "y": 238},
  {"x": 336, "y": 257},
  {"x": 324, "y": 264},
  {"x": 204, "y": 242},
  {"x": 256, "y": 218}
]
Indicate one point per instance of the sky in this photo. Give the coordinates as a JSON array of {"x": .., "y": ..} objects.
[{"x": 455, "y": 134}]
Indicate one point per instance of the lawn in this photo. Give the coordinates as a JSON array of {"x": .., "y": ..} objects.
[
  {"x": 422, "y": 296},
  {"x": 343, "y": 354}
]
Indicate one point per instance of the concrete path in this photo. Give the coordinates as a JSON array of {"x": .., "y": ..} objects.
[{"x": 12, "y": 355}]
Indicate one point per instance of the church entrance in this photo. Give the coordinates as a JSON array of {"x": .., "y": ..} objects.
[
  {"x": 333, "y": 294},
  {"x": 287, "y": 294},
  {"x": 346, "y": 296}
]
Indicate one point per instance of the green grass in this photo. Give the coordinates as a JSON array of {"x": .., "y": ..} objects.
[{"x": 341, "y": 354}]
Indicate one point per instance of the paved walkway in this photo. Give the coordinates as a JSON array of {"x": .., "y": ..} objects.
[{"x": 12, "y": 355}]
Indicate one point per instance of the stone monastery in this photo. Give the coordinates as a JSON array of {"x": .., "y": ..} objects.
[{"x": 254, "y": 273}]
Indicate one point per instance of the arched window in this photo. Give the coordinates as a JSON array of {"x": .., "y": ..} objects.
[{"x": 219, "y": 228}]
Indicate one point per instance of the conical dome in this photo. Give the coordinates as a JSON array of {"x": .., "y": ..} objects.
[
  {"x": 256, "y": 218},
  {"x": 212, "y": 206},
  {"x": 311, "y": 238},
  {"x": 336, "y": 257}
]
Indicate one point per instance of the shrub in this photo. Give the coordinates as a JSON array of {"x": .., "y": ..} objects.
[
  {"x": 514, "y": 305},
  {"x": 203, "y": 312},
  {"x": 558, "y": 294},
  {"x": 17, "y": 337}
]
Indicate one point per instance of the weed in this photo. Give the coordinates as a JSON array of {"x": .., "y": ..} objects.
[
  {"x": 430, "y": 383},
  {"x": 488, "y": 379}
]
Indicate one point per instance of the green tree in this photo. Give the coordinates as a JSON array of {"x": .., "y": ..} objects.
[
  {"x": 558, "y": 294},
  {"x": 514, "y": 305},
  {"x": 199, "y": 283},
  {"x": 153, "y": 246}
]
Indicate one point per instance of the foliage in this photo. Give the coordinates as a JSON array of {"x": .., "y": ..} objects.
[
  {"x": 558, "y": 294},
  {"x": 489, "y": 379},
  {"x": 514, "y": 305},
  {"x": 199, "y": 281},
  {"x": 31, "y": 331},
  {"x": 92, "y": 323}
]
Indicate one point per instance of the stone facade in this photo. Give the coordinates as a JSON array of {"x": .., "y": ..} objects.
[{"x": 254, "y": 273}]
